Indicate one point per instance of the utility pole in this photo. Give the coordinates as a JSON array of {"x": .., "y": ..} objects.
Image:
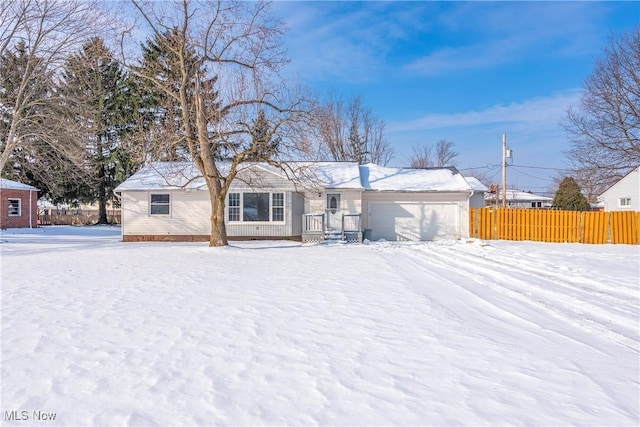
[{"x": 505, "y": 153}]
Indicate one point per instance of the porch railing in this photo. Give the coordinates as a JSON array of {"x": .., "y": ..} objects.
[
  {"x": 315, "y": 229},
  {"x": 313, "y": 223},
  {"x": 351, "y": 230}
]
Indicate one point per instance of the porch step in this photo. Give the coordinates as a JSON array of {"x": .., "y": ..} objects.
[{"x": 333, "y": 235}]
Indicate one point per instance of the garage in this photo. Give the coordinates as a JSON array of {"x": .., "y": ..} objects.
[{"x": 400, "y": 220}]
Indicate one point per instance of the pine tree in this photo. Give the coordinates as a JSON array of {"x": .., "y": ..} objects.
[
  {"x": 264, "y": 141},
  {"x": 96, "y": 94},
  {"x": 164, "y": 112},
  {"x": 569, "y": 196}
]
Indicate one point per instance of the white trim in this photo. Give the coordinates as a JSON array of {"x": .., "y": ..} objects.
[
  {"x": 151, "y": 194},
  {"x": 624, "y": 205},
  {"x": 19, "y": 207},
  {"x": 30, "y": 211}
]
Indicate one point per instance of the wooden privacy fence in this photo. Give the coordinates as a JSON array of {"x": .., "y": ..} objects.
[{"x": 554, "y": 226}]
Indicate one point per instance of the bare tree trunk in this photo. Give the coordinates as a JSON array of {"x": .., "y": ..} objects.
[
  {"x": 218, "y": 230},
  {"x": 217, "y": 120}
]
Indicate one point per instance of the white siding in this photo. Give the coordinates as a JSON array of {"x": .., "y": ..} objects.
[
  {"x": 350, "y": 201},
  {"x": 627, "y": 187},
  {"x": 190, "y": 214},
  {"x": 257, "y": 179}
]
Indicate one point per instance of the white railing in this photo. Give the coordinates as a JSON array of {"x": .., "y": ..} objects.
[
  {"x": 351, "y": 231},
  {"x": 350, "y": 222},
  {"x": 314, "y": 227},
  {"x": 313, "y": 223}
]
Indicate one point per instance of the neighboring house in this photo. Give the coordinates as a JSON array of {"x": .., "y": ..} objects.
[
  {"x": 18, "y": 205},
  {"x": 624, "y": 195},
  {"x": 520, "y": 200},
  {"x": 170, "y": 201},
  {"x": 477, "y": 200}
]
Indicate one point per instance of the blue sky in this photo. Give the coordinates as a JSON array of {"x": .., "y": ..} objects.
[{"x": 462, "y": 71}]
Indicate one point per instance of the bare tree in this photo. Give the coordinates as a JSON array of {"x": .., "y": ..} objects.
[
  {"x": 439, "y": 155},
  {"x": 44, "y": 32},
  {"x": 350, "y": 132},
  {"x": 605, "y": 128},
  {"x": 422, "y": 157},
  {"x": 224, "y": 60},
  {"x": 445, "y": 154}
]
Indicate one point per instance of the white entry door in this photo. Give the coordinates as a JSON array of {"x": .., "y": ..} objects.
[{"x": 334, "y": 214}]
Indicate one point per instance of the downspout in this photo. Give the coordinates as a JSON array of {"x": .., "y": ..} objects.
[
  {"x": 471, "y": 193},
  {"x": 30, "y": 209}
]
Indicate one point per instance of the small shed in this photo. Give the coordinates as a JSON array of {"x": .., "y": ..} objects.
[{"x": 18, "y": 202}]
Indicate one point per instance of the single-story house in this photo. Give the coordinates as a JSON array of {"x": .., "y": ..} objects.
[
  {"x": 624, "y": 195},
  {"x": 519, "y": 200},
  {"x": 308, "y": 202},
  {"x": 18, "y": 202}
]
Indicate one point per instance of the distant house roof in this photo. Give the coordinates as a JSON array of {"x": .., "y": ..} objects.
[
  {"x": 331, "y": 175},
  {"x": 14, "y": 185},
  {"x": 519, "y": 196}
]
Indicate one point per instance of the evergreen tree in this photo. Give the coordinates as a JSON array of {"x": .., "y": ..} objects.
[
  {"x": 161, "y": 61},
  {"x": 96, "y": 94},
  {"x": 569, "y": 196},
  {"x": 264, "y": 141}
]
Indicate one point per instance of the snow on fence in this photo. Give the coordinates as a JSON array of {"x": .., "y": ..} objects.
[{"x": 555, "y": 226}]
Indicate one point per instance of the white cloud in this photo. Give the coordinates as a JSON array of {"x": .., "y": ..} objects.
[{"x": 536, "y": 113}]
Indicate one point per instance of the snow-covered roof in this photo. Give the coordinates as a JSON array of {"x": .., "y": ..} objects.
[
  {"x": 475, "y": 184},
  {"x": 164, "y": 176},
  {"x": 382, "y": 178},
  {"x": 14, "y": 185},
  {"x": 516, "y": 195},
  {"x": 333, "y": 175},
  {"x": 330, "y": 175}
]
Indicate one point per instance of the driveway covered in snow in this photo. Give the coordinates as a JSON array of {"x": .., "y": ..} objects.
[{"x": 102, "y": 332}]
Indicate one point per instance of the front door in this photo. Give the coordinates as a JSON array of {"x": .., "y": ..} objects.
[{"x": 334, "y": 214}]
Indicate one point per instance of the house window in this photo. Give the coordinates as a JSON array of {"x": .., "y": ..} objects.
[
  {"x": 160, "y": 204},
  {"x": 277, "y": 207},
  {"x": 624, "y": 202},
  {"x": 15, "y": 207},
  {"x": 536, "y": 204},
  {"x": 234, "y": 207},
  {"x": 255, "y": 207}
]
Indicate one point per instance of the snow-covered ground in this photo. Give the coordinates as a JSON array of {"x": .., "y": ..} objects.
[{"x": 100, "y": 332}]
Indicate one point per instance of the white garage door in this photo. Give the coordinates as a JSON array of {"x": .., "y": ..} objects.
[{"x": 413, "y": 221}]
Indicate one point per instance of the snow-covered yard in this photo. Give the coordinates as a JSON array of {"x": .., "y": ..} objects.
[{"x": 100, "y": 332}]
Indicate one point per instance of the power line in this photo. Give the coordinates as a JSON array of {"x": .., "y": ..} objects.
[
  {"x": 535, "y": 177},
  {"x": 491, "y": 166},
  {"x": 538, "y": 167}
]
